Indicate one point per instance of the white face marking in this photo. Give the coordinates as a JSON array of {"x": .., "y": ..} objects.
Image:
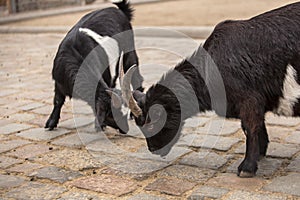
[
  {"x": 110, "y": 45},
  {"x": 291, "y": 93},
  {"x": 125, "y": 110}
]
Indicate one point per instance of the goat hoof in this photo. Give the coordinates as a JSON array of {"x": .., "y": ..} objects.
[
  {"x": 243, "y": 174},
  {"x": 247, "y": 169},
  {"x": 51, "y": 124},
  {"x": 99, "y": 128}
]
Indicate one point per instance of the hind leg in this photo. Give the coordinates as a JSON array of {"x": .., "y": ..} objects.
[{"x": 58, "y": 102}]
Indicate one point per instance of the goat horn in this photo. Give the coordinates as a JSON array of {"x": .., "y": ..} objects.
[
  {"x": 121, "y": 70},
  {"x": 126, "y": 91}
]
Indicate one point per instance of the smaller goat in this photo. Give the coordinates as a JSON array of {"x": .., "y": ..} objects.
[
  {"x": 86, "y": 65},
  {"x": 258, "y": 61}
]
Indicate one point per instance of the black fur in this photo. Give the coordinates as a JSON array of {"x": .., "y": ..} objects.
[
  {"x": 252, "y": 58},
  {"x": 75, "y": 48}
]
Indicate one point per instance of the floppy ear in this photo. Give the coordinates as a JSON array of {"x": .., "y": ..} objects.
[
  {"x": 157, "y": 113},
  {"x": 115, "y": 99}
]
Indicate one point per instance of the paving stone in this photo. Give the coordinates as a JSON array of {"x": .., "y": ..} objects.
[
  {"x": 41, "y": 134},
  {"x": 76, "y": 122},
  {"x": 6, "y": 112},
  {"x": 81, "y": 196},
  {"x": 74, "y": 159},
  {"x": 282, "y": 150},
  {"x": 30, "y": 151},
  {"x": 170, "y": 186},
  {"x": 22, "y": 117},
  {"x": 266, "y": 166},
  {"x": 36, "y": 191},
  {"x": 241, "y": 149},
  {"x": 274, "y": 150},
  {"x": 76, "y": 140},
  {"x": 8, "y": 181},
  {"x": 104, "y": 145},
  {"x": 81, "y": 107},
  {"x": 125, "y": 164},
  {"x": 175, "y": 153},
  {"x": 106, "y": 184},
  {"x": 39, "y": 121},
  {"x": 209, "y": 141},
  {"x": 146, "y": 197},
  {"x": 188, "y": 173},
  {"x": 294, "y": 138},
  {"x": 16, "y": 103},
  {"x": 289, "y": 184},
  {"x": 4, "y": 92},
  {"x": 13, "y": 127},
  {"x": 31, "y": 106},
  {"x": 8, "y": 161},
  {"x": 242, "y": 195},
  {"x": 56, "y": 174},
  {"x": 195, "y": 122},
  {"x": 45, "y": 110},
  {"x": 272, "y": 119},
  {"x": 3, "y": 122},
  {"x": 208, "y": 192},
  {"x": 294, "y": 165},
  {"x": 204, "y": 159},
  {"x": 25, "y": 168},
  {"x": 219, "y": 127},
  {"x": 11, "y": 144},
  {"x": 277, "y": 134},
  {"x": 233, "y": 182}
]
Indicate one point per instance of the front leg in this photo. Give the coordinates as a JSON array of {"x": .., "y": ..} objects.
[
  {"x": 252, "y": 116},
  {"x": 263, "y": 140},
  {"x": 58, "y": 102}
]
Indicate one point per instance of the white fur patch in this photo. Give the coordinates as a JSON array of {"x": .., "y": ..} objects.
[
  {"x": 291, "y": 93},
  {"x": 110, "y": 45}
]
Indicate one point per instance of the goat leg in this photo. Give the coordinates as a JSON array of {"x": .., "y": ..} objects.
[
  {"x": 263, "y": 141},
  {"x": 58, "y": 102},
  {"x": 252, "y": 117}
]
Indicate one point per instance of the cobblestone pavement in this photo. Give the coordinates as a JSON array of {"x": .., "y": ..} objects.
[{"x": 71, "y": 163}]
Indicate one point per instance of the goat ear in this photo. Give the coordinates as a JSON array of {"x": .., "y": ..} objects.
[
  {"x": 139, "y": 96},
  {"x": 115, "y": 99},
  {"x": 156, "y": 112}
]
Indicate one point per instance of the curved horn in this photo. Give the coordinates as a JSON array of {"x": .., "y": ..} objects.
[
  {"x": 126, "y": 91},
  {"x": 121, "y": 70}
]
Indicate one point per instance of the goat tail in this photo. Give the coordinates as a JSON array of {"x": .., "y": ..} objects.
[{"x": 125, "y": 7}]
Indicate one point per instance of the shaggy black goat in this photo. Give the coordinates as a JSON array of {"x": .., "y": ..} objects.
[
  {"x": 258, "y": 61},
  {"x": 85, "y": 65}
]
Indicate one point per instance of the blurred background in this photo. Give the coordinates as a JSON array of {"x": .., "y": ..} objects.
[{"x": 147, "y": 12}]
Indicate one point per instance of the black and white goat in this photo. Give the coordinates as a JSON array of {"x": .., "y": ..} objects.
[
  {"x": 258, "y": 61},
  {"x": 86, "y": 65}
]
